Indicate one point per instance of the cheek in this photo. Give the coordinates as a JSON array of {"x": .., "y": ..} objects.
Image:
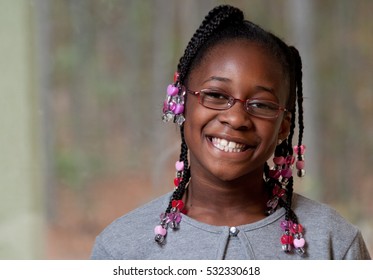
[
  {"x": 195, "y": 114},
  {"x": 191, "y": 122},
  {"x": 269, "y": 134}
]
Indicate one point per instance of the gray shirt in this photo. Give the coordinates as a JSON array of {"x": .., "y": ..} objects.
[{"x": 327, "y": 235}]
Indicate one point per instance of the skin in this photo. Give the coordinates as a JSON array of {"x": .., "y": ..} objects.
[{"x": 227, "y": 188}]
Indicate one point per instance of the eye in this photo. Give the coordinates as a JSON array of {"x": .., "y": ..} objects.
[
  {"x": 263, "y": 105},
  {"x": 215, "y": 96}
]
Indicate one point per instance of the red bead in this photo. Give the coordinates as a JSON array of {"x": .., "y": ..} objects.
[
  {"x": 297, "y": 228},
  {"x": 275, "y": 174},
  {"x": 176, "y": 77},
  {"x": 179, "y": 204},
  {"x": 177, "y": 181},
  {"x": 279, "y": 192},
  {"x": 287, "y": 239}
]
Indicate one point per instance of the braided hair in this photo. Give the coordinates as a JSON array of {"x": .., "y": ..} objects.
[{"x": 225, "y": 23}]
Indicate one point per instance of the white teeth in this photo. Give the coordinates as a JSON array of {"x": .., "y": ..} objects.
[{"x": 227, "y": 146}]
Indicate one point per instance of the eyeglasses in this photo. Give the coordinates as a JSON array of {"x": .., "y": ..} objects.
[{"x": 221, "y": 101}]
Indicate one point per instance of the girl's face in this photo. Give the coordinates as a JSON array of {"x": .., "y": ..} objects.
[{"x": 244, "y": 70}]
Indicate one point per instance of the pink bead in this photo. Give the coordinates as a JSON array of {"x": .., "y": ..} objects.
[
  {"x": 279, "y": 160},
  {"x": 178, "y": 109},
  {"x": 172, "y": 90},
  {"x": 179, "y": 165},
  {"x": 300, "y": 164},
  {"x": 160, "y": 230},
  {"x": 302, "y": 149},
  {"x": 299, "y": 243},
  {"x": 286, "y": 173}
]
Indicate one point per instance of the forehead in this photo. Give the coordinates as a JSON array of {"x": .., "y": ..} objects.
[
  {"x": 240, "y": 50},
  {"x": 241, "y": 61}
]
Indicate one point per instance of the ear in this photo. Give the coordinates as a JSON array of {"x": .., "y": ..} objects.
[{"x": 285, "y": 126}]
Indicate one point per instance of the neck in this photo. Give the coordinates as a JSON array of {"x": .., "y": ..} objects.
[{"x": 231, "y": 203}]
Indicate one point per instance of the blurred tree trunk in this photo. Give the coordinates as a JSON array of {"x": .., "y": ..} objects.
[
  {"x": 162, "y": 66},
  {"x": 21, "y": 207},
  {"x": 301, "y": 17},
  {"x": 48, "y": 133}
]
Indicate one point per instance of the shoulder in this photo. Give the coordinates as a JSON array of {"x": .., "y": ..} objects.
[
  {"x": 323, "y": 214},
  {"x": 135, "y": 227},
  {"x": 327, "y": 231}
]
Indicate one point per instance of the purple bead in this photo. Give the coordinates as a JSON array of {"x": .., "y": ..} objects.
[
  {"x": 286, "y": 173},
  {"x": 177, "y": 218},
  {"x": 170, "y": 217},
  {"x": 172, "y": 106},
  {"x": 285, "y": 225},
  {"x": 165, "y": 106},
  {"x": 172, "y": 90},
  {"x": 178, "y": 109}
]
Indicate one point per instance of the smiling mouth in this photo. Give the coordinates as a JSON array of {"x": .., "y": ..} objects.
[{"x": 228, "y": 146}]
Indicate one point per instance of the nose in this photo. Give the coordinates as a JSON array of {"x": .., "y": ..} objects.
[{"x": 236, "y": 117}]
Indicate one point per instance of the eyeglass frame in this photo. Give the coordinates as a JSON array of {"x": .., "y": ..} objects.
[{"x": 231, "y": 101}]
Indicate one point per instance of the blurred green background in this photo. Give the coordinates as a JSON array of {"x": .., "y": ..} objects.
[{"x": 82, "y": 84}]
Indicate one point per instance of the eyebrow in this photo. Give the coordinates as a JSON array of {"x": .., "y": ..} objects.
[
  {"x": 264, "y": 88},
  {"x": 217, "y": 78},
  {"x": 223, "y": 79}
]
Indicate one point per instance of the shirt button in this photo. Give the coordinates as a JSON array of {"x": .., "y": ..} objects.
[{"x": 233, "y": 231}]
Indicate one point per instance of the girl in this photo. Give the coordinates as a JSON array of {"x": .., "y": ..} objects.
[{"x": 236, "y": 96}]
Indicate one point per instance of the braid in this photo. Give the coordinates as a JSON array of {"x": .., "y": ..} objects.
[
  {"x": 289, "y": 213},
  {"x": 180, "y": 190},
  {"x": 299, "y": 85},
  {"x": 285, "y": 150},
  {"x": 216, "y": 19}
]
